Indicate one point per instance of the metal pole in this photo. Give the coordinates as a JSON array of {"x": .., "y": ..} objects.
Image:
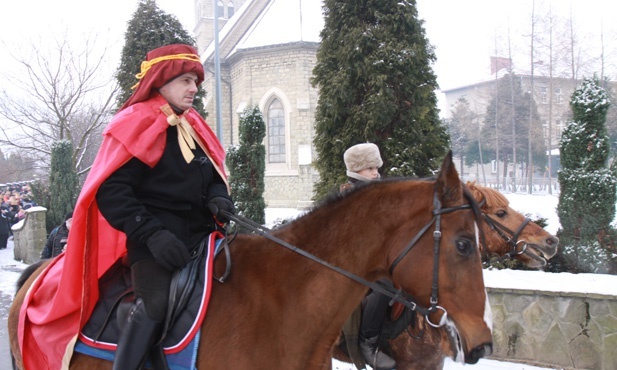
[{"x": 217, "y": 75}]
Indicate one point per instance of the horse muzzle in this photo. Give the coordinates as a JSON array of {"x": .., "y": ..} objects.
[
  {"x": 457, "y": 346},
  {"x": 477, "y": 353}
]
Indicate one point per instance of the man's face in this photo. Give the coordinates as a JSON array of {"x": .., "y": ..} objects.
[{"x": 181, "y": 91}]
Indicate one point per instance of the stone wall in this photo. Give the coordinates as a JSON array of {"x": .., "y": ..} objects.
[
  {"x": 569, "y": 330},
  {"x": 30, "y": 235}
]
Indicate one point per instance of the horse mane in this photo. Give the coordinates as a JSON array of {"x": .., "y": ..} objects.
[
  {"x": 491, "y": 196},
  {"x": 336, "y": 196}
]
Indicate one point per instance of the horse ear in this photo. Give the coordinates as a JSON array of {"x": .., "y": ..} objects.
[{"x": 449, "y": 185}]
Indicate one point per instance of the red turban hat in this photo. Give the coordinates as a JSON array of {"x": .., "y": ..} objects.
[{"x": 162, "y": 65}]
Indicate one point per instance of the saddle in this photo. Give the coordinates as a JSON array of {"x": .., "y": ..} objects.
[{"x": 189, "y": 295}]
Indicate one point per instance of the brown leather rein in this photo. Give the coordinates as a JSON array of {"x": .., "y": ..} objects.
[{"x": 397, "y": 295}]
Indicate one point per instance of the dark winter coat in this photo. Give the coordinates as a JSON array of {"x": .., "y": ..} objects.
[
  {"x": 55, "y": 242},
  {"x": 140, "y": 200},
  {"x": 5, "y": 223}
]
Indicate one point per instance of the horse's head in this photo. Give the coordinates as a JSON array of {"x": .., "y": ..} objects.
[
  {"x": 508, "y": 232},
  {"x": 448, "y": 251}
]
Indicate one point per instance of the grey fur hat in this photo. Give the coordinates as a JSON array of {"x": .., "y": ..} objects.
[{"x": 362, "y": 156}]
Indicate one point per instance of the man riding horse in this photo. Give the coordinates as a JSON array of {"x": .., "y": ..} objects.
[{"x": 156, "y": 189}]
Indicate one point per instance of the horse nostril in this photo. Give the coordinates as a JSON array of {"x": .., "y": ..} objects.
[
  {"x": 488, "y": 349},
  {"x": 553, "y": 240},
  {"x": 477, "y": 353}
]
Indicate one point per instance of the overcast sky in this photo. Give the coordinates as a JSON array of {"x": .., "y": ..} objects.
[{"x": 463, "y": 32}]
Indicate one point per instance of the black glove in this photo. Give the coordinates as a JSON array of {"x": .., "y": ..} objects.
[
  {"x": 218, "y": 204},
  {"x": 169, "y": 251}
]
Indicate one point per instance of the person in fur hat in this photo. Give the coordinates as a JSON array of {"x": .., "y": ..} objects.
[{"x": 363, "y": 162}]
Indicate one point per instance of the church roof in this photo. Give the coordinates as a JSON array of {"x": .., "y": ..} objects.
[{"x": 279, "y": 22}]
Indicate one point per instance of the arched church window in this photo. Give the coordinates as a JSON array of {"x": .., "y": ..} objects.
[
  {"x": 230, "y": 9},
  {"x": 276, "y": 132},
  {"x": 220, "y": 9}
]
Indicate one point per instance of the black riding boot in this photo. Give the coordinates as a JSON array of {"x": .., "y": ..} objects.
[
  {"x": 136, "y": 339},
  {"x": 373, "y": 356},
  {"x": 373, "y": 315}
]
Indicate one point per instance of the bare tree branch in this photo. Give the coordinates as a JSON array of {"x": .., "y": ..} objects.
[{"x": 58, "y": 93}]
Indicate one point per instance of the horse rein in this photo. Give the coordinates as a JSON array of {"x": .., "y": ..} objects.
[
  {"x": 510, "y": 237},
  {"x": 397, "y": 295}
]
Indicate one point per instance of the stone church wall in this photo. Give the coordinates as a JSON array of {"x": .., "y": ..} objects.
[{"x": 255, "y": 77}]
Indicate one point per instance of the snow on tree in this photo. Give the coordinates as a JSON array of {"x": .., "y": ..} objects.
[{"x": 588, "y": 186}]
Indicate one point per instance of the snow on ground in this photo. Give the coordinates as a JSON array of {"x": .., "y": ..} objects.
[
  {"x": 9, "y": 270},
  {"x": 537, "y": 206},
  {"x": 450, "y": 365}
]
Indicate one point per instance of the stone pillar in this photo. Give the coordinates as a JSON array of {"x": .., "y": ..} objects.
[{"x": 30, "y": 235}]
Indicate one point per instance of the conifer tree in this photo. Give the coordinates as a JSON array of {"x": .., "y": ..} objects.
[
  {"x": 462, "y": 128},
  {"x": 63, "y": 183},
  {"x": 506, "y": 125},
  {"x": 376, "y": 85},
  {"x": 247, "y": 165},
  {"x": 149, "y": 28},
  {"x": 587, "y": 199}
]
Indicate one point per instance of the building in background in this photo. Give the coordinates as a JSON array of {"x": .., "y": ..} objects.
[
  {"x": 267, "y": 51},
  {"x": 552, "y": 97}
]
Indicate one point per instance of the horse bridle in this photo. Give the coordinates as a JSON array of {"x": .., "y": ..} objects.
[
  {"x": 437, "y": 212},
  {"x": 397, "y": 295},
  {"x": 509, "y": 236}
]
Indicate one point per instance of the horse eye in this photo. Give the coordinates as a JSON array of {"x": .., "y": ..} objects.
[
  {"x": 501, "y": 213},
  {"x": 464, "y": 247}
]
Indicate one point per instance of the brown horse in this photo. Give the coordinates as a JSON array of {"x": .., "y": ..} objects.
[
  {"x": 282, "y": 310},
  {"x": 510, "y": 234},
  {"x": 507, "y": 233}
]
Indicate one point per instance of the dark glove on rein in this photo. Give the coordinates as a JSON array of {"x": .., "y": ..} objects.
[
  {"x": 218, "y": 204},
  {"x": 169, "y": 251}
]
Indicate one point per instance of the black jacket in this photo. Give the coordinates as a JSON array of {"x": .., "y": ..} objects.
[
  {"x": 140, "y": 200},
  {"x": 5, "y": 223},
  {"x": 55, "y": 242}
]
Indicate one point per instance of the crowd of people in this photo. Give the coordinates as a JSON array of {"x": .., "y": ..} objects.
[{"x": 16, "y": 199}]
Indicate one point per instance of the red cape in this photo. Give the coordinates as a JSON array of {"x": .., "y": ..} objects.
[{"x": 62, "y": 298}]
